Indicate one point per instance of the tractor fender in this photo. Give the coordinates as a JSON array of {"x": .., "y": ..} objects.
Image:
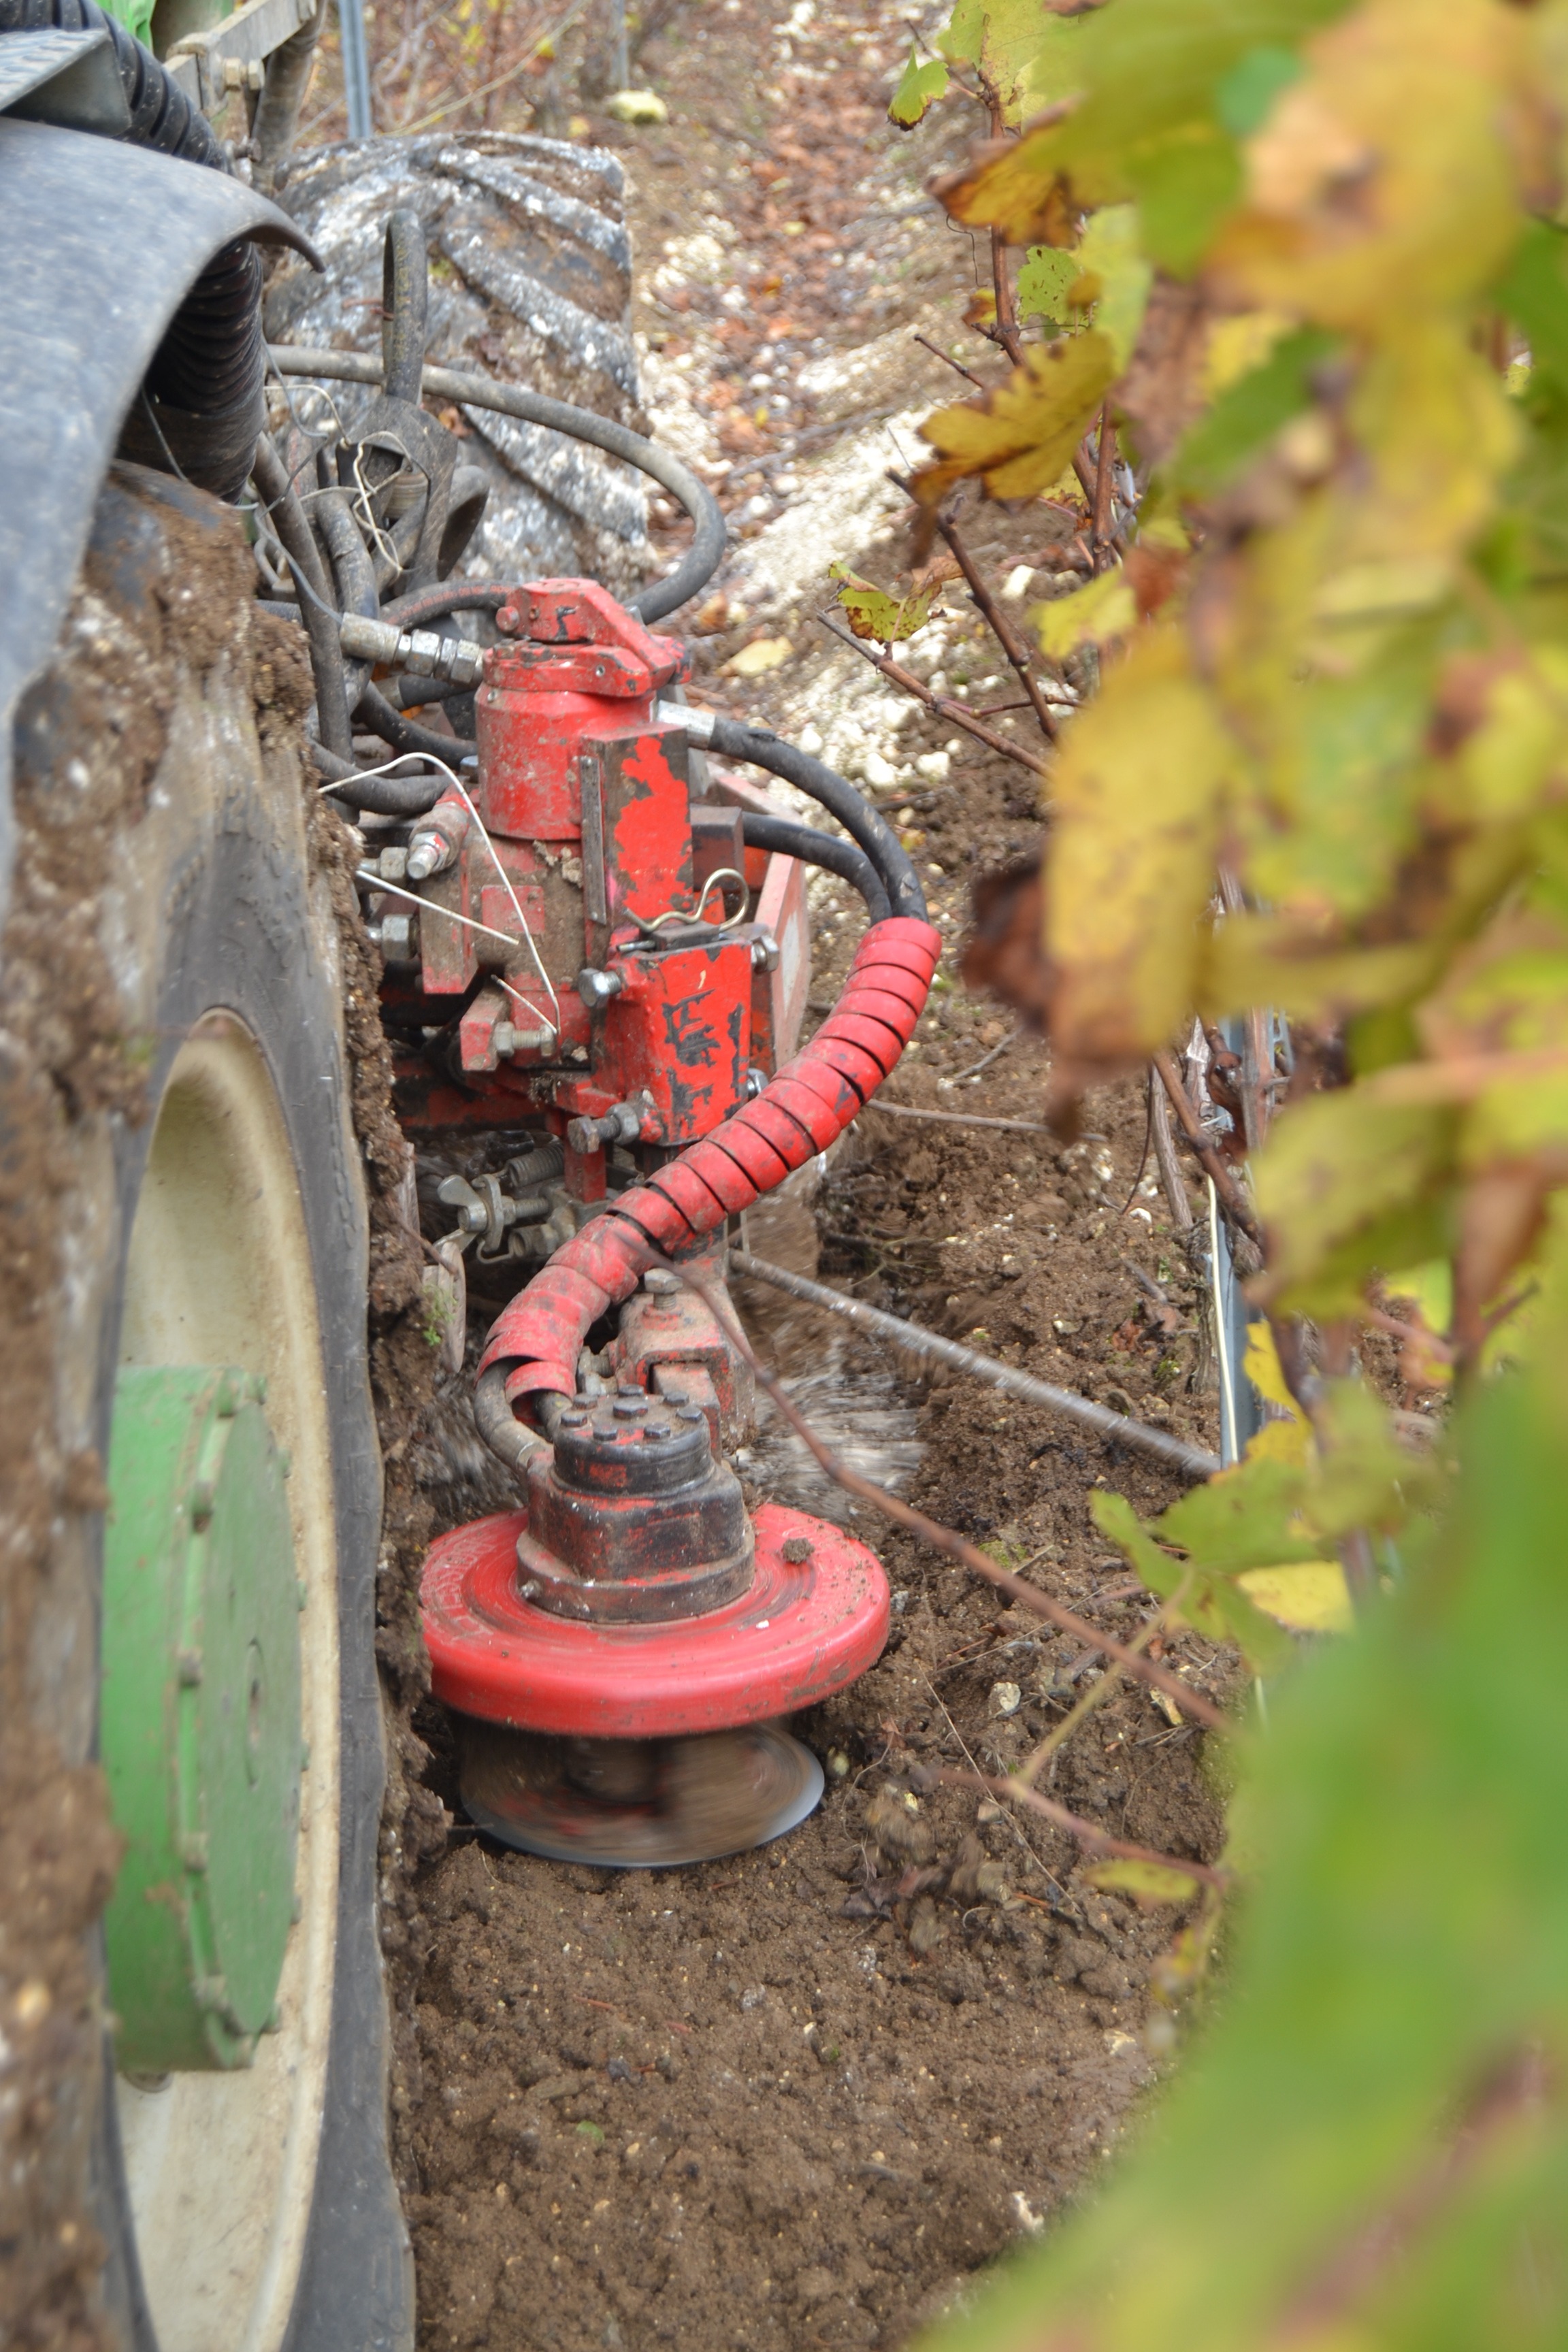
[{"x": 103, "y": 242}]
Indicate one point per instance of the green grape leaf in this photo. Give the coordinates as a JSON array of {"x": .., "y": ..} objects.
[
  {"x": 1043, "y": 282},
  {"x": 918, "y": 87}
]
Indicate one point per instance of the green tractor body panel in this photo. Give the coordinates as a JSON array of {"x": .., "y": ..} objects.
[{"x": 201, "y": 1717}]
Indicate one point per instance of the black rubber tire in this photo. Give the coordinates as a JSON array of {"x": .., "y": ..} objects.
[
  {"x": 157, "y": 764},
  {"x": 531, "y": 282}
]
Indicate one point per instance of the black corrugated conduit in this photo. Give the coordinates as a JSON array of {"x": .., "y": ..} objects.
[{"x": 200, "y": 407}]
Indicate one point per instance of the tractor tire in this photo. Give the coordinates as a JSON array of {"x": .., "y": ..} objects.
[
  {"x": 181, "y": 1186},
  {"x": 530, "y": 281}
]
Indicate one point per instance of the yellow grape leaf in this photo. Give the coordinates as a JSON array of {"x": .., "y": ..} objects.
[
  {"x": 1263, "y": 1368},
  {"x": 1112, "y": 253},
  {"x": 1015, "y": 184},
  {"x": 871, "y": 613},
  {"x": 756, "y": 659},
  {"x": 1019, "y": 437},
  {"x": 1417, "y": 108},
  {"x": 1429, "y": 1288},
  {"x": 1289, "y": 1440},
  {"x": 1091, "y": 615},
  {"x": 1138, "y": 791},
  {"x": 1310, "y": 1596},
  {"x": 1146, "y": 1882}
]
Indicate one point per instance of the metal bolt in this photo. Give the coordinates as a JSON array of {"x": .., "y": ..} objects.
[
  {"x": 630, "y": 1408},
  {"x": 658, "y": 1429},
  {"x": 690, "y": 1413},
  {"x": 193, "y": 1851},
  {"x": 583, "y": 1137},
  {"x": 766, "y": 953},
  {"x": 596, "y": 988},
  {"x": 755, "y": 1081},
  {"x": 397, "y": 935},
  {"x": 572, "y": 1421},
  {"x": 661, "y": 1281},
  {"x": 190, "y": 1668},
  {"x": 202, "y": 1500}
]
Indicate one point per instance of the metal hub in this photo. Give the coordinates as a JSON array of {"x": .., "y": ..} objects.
[
  {"x": 637, "y": 1804},
  {"x": 201, "y": 1723},
  {"x": 632, "y": 1519}
]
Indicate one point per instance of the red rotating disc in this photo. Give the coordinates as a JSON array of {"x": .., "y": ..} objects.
[{"x": 804, "y": 1628}]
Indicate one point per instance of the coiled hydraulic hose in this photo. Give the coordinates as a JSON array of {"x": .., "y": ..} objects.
[
  {"x": 201, "y": 404},
  {"x": 824, "y": 849},
  {"x": 706, "y": 551},
  {"x": 801, "y": 1110}
]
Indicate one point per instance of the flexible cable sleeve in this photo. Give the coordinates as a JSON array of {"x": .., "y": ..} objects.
[
  {"x": 838, "y": 796},
  {"x": 814, "y": 848},
  {"x": 701, "y": 559},
  {"x": 538, "y": 1336}
]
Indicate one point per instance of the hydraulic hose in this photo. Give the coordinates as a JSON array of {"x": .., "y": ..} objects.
[
  {"x": 421, "y": 606},
  {"x": 399, "y": 796},
  {"x": 288, "y": 516},
  {"x": 201, "y": 404},
  {"x": 404, "y": 303},
  {"x": 706, "y": 551},
  {"x": 353, "y": 573},
  {"x": 839, "y": 797},
  {"x": 374, "y": 712},
  {"x": 814, "y": 848},
  {"x": 804, "y": 1108}
]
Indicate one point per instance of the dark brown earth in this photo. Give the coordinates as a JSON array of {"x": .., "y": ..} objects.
[{"x": 799, "y": 2097}]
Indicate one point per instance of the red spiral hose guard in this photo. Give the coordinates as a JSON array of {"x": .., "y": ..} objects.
[{"x": 804, "y": 1108}]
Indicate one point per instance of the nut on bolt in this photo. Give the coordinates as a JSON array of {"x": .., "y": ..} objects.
[
  {"x": 766, "y": 953},
  {"x": 621, "y": 1125}
]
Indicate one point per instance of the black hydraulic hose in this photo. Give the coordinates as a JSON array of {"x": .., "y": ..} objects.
[
  {"x": 404, "y": 303},
  {"x": 288, "y": 516},
  {"x": 706, "y": 551},
  {"x": 424, "y": 605},
  {"x": 838, "y": 796},
  {"x": 350, "y": 555},
  {"x": 374, "y": 712},
  {"x": 400, "y": 796},
  {"x": 814, "y": 848},
  {"x": 353, "y": 573}
]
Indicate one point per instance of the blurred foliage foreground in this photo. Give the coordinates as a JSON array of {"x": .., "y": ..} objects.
[{"x": 1306, "y": 261}]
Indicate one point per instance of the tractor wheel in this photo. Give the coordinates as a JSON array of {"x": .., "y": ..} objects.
[
  {"x": 175, "y": 1070},
  {"x": 530, "y": 281}
]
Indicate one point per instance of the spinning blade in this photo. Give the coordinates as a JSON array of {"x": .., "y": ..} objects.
[{"x": 626, "y": 1804}]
